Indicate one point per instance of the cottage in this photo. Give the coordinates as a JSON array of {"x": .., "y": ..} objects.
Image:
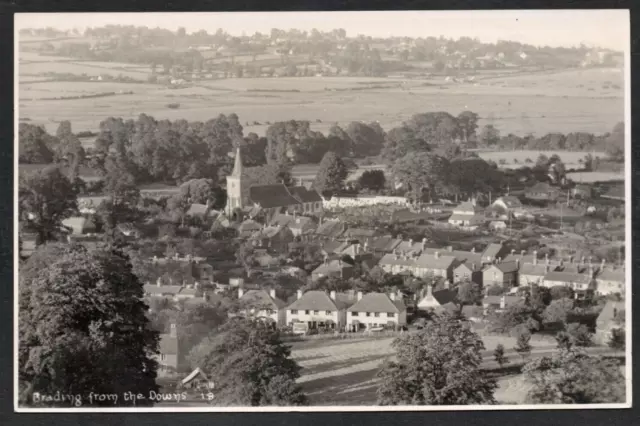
[
  {"x": 583, "y": 284},
  {"x": 503, "y": 274},
  {"x": 80, "y": 225},
  {"x": 333, "y": 268},
  {"x": 609, "y": 320},
  {"x": 542, "y": 191},
  {"x": 376, "y": 310},
  {"x": 508, "y": 203},
  {"x": 497, "y": 225},
  {"x": 436, "y": 265},
  {"x": 262, "y": 305},
  {"x": 299, "y": 225},
  {"x": 493, "y": 252},
  {"x": 468, "y": 271},
  {"x": 318, "y": 309},
  {"x": 311, "y": 201},
  {"x": 248, "y": 227},
  {"x": 438, "y": 301},
  {"x": 273, "y": 237},
  {"x": 393, "y": 263},
  {"x": 499, "y": 303},
  {"x": 532, "y": 273},
  {"x": 330, "y": 228}
]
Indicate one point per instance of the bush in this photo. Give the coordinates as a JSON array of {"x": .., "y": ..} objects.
[
  {"x": 173, "y": 105},
  {"x": 528, "y": 160},
  {"x": 617, "y": 340}
]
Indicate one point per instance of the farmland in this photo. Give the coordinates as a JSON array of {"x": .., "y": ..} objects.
[{"x": 567, "y": 101}]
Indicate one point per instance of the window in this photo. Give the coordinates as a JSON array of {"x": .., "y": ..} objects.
[
  {"x": 306, "y": 312},
  {"x": 294, "y": 312},
  {"x": 328, "y": 312},
  {"x": 316, "y": 312},
  {"x": 391, "y": 314},
  {"x": 354, "y": 314},
  {"x": 377, "y": 314},
  {"x": 368, "y": 314}
]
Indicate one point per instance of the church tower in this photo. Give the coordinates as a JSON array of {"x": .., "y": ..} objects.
[{"x": 235, "y": 186}]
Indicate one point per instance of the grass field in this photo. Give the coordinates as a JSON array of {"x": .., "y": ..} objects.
[
  {"x": 540, "y": 103},
  {"x": 588, "y": 177},
  {"x": 515, "y": 159},
  {"x": 343, "y": 372}
]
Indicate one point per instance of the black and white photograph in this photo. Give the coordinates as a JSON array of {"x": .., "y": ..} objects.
[{"x": 322, "y": 211}]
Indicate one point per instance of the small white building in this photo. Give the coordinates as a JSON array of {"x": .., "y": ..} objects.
[
  {"x": 610, "y": 281},
  {"x": 317, "y": 309},
  {"x": 377, "y": 310}
]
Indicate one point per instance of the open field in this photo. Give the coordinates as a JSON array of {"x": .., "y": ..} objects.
[
  {"x": 538, "y": 103},
  {"x": 518, "y": 158},
  {"x": 343, "y": 372},
  {"x": 588, "y": 177}
]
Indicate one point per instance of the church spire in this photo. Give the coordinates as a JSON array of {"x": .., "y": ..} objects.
[{"x": 237, "y": 167}]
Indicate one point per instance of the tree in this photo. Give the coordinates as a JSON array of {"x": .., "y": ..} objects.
[
  {"x": 35, "y": 145},
  {"x": 523, "y": 347},
  {"x": 468, "y": 124},
  {"x": 572, "y": 377},
  {"x": 438, "y": 365},
  {"x": 373, "y": 180},
  {"x": 489, "y": 135},
  {"x": 249, "y": 365},
  {"x": 498, "y": 355},
  {"x": 85, "y": 329},
  {"x": 469, "y": 293},
  {"x": 618, "y": 339},
  {"x": 331, "y": 174},
  {"x": 615, "y": 143},
  {"x": 46, "y": 198},
  {"x": 419, "y": 171},
  {"x": 580, "y": 335},
  {"x": 561, "y": 292},
  {"x": 558, "y": 311},
  {"x": 200, "y": 191}
]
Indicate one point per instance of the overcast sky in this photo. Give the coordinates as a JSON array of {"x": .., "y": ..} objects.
[{"x": 604, "y": 28}]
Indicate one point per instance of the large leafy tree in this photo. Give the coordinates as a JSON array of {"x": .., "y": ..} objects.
[
  {"x": 83, "y": 327},
  {"x": 438, "y": 365},
  {"x": 615, "y": 143},
  {"x": 468, "y": 122},
  {"x": 249, "y": 365},
  {"x": 46, "y": 197},
  {"x": 420, "y": 171},
  {"x": 35, "y": 145},
  {"x": 373, "y": 180},
  {"x": 331, "y": 174},
  {"x": 572, "y": 377}
]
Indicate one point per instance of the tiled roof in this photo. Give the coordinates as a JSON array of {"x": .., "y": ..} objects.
[
  {"x": 467, "y": 206},
  {"x": 530, "y": 269},
  {"x": 333, "y": 246},
  {"x": 315, "y": 300},
  {"x": 443, "y": 296},
  {"x": 460, "y": 255},
  {"x": 387, "y": 243},
  {"x": 408, "y": 246},
  {"x": 505, "y": 267},
  {"x": 330, "y": 228},
  {"x": 248, "y": 227},
  {"x": 492, "y": 250},
  {"x": 260, "y": 299},
  {"x": 268, "y": 232},
  {"x": 168, "y": 344},
  {"x": 568, "y": 277},
  {"x": 377, "y": 302},
  {"x": 295, "y": 222},
  {"x": 360, "y": 233},
  {"x": 475, "y": 218},
  {"x": 305, "y": 195},
  {"x": 332, "y": 266},
  {"x": 611, "y": 275},
  {"x": 429, "y": 261},
  {"x": 470, "y": 266},
  {"x": 269, "y": 196},
  {"x": 391, "y": 259},
  {"x": 510, "y": 201},
  {"x": 80, "y": 222}
]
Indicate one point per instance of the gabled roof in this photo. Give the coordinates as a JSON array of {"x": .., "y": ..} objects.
[
  {"x": 467, "y": 206},
  {"x": 510, "y": 201},
  {"x": 79, "y": 222},
  {"x": 504, "y": 267},
  {"x": 330, "y": 228},
  {"x": 316, "y": 300},
  {"x": 491, "y": 251},
  {"x": 305, "y": 195},
  {"x": 249, "y": 225},
  {"x": 292, "y": 221},
  {"x": 408, "y": 246},
  {"x": 269, "y": 196},
  {"x": 261, "y": 299},
  {"x": 331, "y": 247},
  {"x": 472, "y": 218},
  {"x": 197, "y": 209},
  {"x": 268, "y": 232},
  {"x": 332, "y": 266},
  {"x": 609, "y": 312},
  {"x": 470, "y": 266},
  {"x": 168, "y": 345},
  {"x": 392, "y": 259},
  {"x": 387, "y": 243},
  {"x": 541, "y": 187},
  {"x": 429, "y": 261},
  {"x": 360, "y": 233},
  {"x": 460, "y": 255},
  {"x": 611, "y": 275},
  {"x": 530, "y": 269},
  {"x": 377, "y": 302},
  {"x": 442, "y": 296}
]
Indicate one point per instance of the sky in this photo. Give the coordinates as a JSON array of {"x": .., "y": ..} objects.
[{"x": 602, "y": 28}]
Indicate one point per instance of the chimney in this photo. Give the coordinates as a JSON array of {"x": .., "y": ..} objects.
[
  {"x": 473, "y": 249},
  {"x": 522, "y": 252},
  {"x": 272, "y": 293},
  {"x": 602, "y": 264},
  {"x": 392, "y": 296},
  {"x": 159, "y": 282},
  {"x": 437, "y": 255},
  {"x": 535, "y": 257},
  {"x": 155, "y": 259},
  {"x": 429, "y": 291},
  {"x": 546, "y": 267},
  {"x": 582, "y": 260},
  {"x": 498, "y": 259},
  {"x": 332, "y": 295},
  {"x": 410, "y": 242},
  {"x": 518, "y": 264},
  {"x": 447, "y": 284},
  {"x": 513, "y": 251},
  {"x": 358, "y": 248},
  {"x": 240, "y": 292},
  {"x": 546, "y": 258},
  {"x": 503, "y": 302},
  {"x": 299, "y": 294},
  {"x": 590, "y": 261},
  {"x": 473, "y": 266},
  {"x": 570, "y": 259},
  {"x": 359, "y": 296},
  {"x": 449, "y": 249},
  {"x": 173, "y": 331}
]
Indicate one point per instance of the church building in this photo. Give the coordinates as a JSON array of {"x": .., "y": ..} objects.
[{"x": 268, "y": 198}]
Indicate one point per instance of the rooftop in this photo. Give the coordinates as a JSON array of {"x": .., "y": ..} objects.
[
  {"x": 305, "y": 195},
  {"x": 261, "y": 299},
  {"x": 316, "y": 300},
  {"x": 269, "y": 196},
  {"x": 377, "y": 302}
]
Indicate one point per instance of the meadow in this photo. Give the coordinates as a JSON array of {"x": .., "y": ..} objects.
[{"x": 538, "y": 103}]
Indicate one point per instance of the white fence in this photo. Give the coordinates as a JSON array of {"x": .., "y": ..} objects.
[{"x": 361, "y": 201}]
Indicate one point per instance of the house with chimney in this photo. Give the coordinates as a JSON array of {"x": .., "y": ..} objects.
[
  {"x": 503, "y": 274},
  {"x": 337, "y": 268},
  {"x": 248, "y": 227},
  {"x": 435, "y": 265},
  {"x": 262, "y": 304},
  {"x": 581, "y": 280},
  {"x": 395, "y": 263},
  {"x": 508, "y": 204},
  {"x": 377, "y": 310},
  {"x": 299, "y": 225},
  {"x": 468, "y": 271},
  {"x": 316, "y": 309},
  {"x": 330, "y": 229},
  {"x": 437, "y": 300},
  {"x": 273, "y": 237},
  {"x": 467, "y": 215},
  {"x": 168, "y": 353},
  {"x": 310, "y": 200},
  {"x": 499, "y": 303},
  {"x": 493, "y": 252},
  {"x": 542, "y": 192}
]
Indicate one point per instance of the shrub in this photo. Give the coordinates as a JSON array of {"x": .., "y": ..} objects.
[
  {"x": 528, "y": 160},
  {"x": 173, "y": 105}
]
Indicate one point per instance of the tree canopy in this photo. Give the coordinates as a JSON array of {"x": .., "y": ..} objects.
[
  {"x": 331, "y": 174},
  {"x": 438, "y": 365}
]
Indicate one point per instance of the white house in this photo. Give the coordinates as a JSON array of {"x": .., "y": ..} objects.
[
  {"x": 508, "y": 203},
  {"x": 444, "y": 299},
  {"x": 466, "y": 215},
  {"x": 317, "y": 309},
  {"x": 610, "y": 281},
  {"x": 376, "y": 310}
]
